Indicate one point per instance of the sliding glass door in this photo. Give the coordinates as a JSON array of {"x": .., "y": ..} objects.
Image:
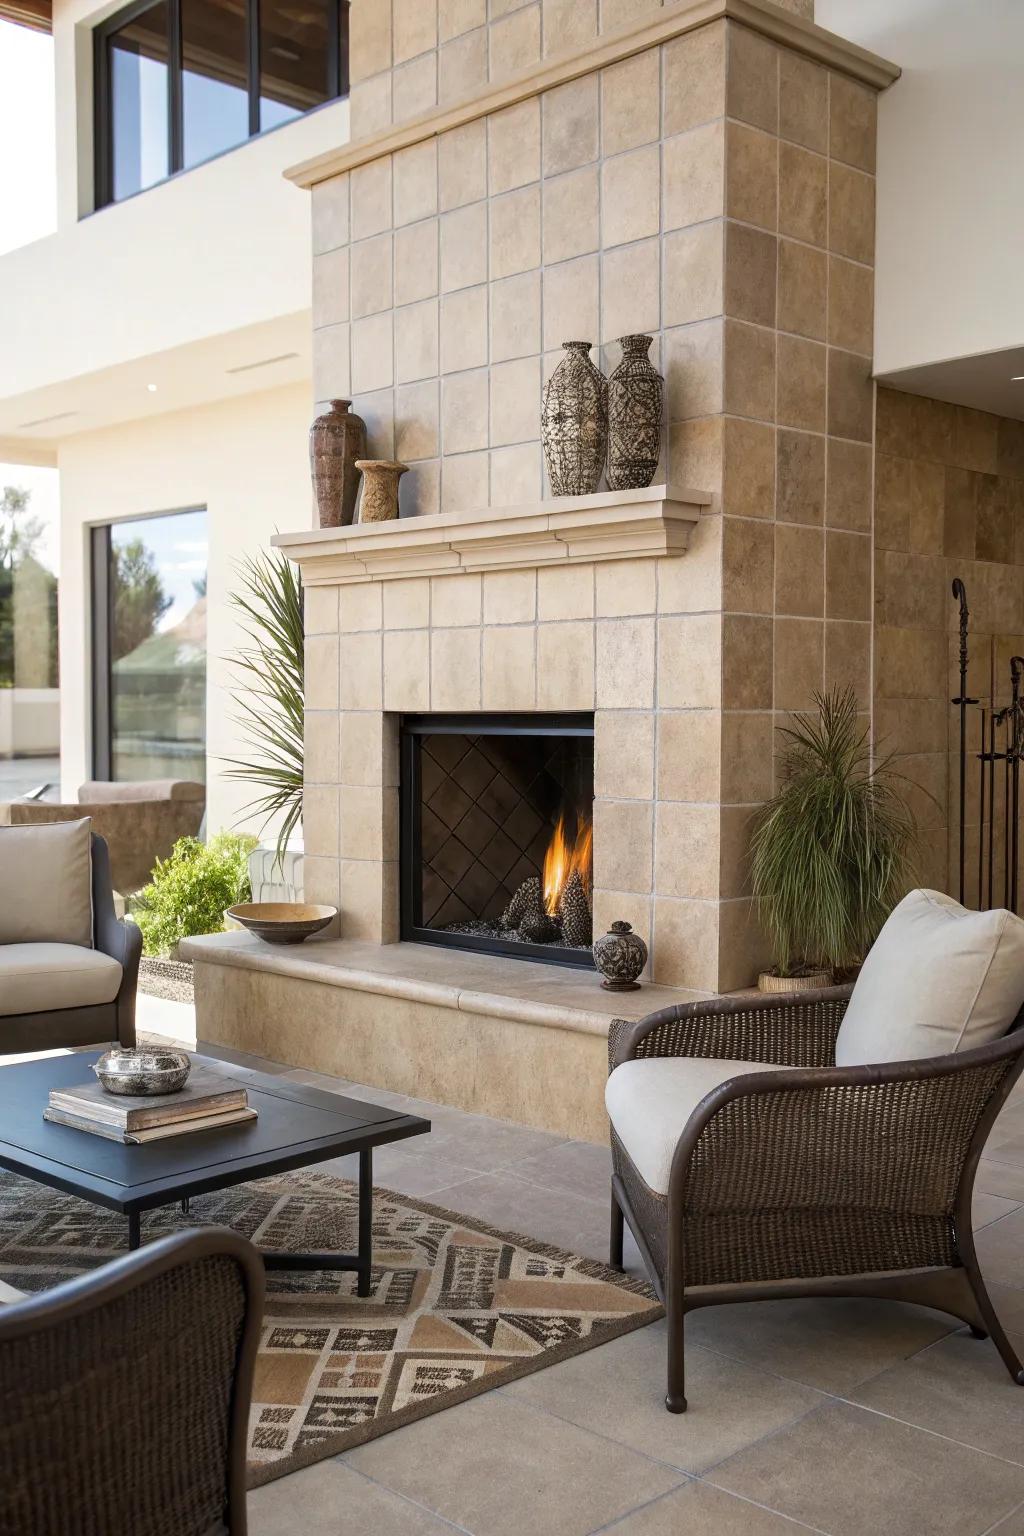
[{"x": 149, "y": 648}]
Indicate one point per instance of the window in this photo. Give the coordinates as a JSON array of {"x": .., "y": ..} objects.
[
  {"x": 179, "y": 81},
  {"x": 149, "y": 648}
]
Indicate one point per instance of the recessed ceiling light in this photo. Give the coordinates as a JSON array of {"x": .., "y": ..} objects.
[
  {"x": 151, "y": 388},
  {"x": 1017, "y": 378}
]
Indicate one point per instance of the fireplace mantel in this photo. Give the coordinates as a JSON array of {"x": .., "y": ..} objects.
[{"x": 611, "y": 525}]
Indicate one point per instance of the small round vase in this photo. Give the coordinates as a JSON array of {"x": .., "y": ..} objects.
[
  {"x": 379, "y": 501},
  {"x": 574, "y": 423},
  {"x": 336, "y": 440},
  {"x": 620, "y": 957},
  {"x": 635, "y": 393}
]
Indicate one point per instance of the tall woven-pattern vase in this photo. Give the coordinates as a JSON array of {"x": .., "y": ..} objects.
[
  {"x": 574, "y": 423},
  {"x": 336, "y": 440},
  {"x": 635, "y": 393}
]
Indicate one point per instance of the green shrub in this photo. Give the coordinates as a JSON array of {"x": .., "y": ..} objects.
[{"x": 189, "y": 891}]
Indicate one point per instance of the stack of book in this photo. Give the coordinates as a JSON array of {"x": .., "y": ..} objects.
[{"x": 206, "y": 1101}]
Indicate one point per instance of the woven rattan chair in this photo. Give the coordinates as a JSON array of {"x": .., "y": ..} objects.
[
  {"x": 124, "y": 1395},
  {"x": 817, "y": 1180}
]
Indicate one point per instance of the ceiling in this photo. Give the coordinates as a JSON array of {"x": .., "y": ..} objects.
[
  {"x": 991, "y": 381},
  {"x": 37, "y": 14}
]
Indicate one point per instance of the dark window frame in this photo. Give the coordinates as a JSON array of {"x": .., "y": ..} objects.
[{"x": 337, "y": 87}]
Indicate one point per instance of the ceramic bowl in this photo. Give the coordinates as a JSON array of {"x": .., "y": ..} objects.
[
  {"x": 143, "y": 1070},
  {"x": 282, "y": 922}
]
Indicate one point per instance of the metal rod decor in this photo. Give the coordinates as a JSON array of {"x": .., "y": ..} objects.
[{"x": 960, "y": 593}]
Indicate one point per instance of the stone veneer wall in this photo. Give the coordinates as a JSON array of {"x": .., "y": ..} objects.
[
  {"x": 949, "y": 491},
  {"x": 717, "y": 191}
]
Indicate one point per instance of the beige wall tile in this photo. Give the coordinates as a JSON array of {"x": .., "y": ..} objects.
[
  {"x": 749, "y": 372},
  {"x": 851, "y": 305},
  {"x": 624, "y": 845},
  {"x": 514, "y": 42},
  {"x": 372, "y": 353},
  {"x": 369, "y": 900},
  {"x": 625, "y": 663},
  {"x": 462, "y": 66},
  {"x": 619, "y": 13},
  {"x": 419, "y": 491},
  {"x": 569, "y": 24},
  {"x": 320, "y": 820},
  {"x": 515, "y": 317},
  {"x": 689, "y": 755},
  {"x": 515, "y": 232},
  {"x": 801, "y": 384},
  {"x": 571, "y": 306},
  {"x": 801, "y": 477},
  {"x": 515, "y": 401},
  {"x": 465, "y": 482},
  {"x": 464, "y": 411},
  {"x": 509, "y": 667},
  {"x": 458, "y": 16},
  {"x": 455, "y": 600},
  {"x": 464, "y": 247},
  {"x": 565, "y": 665},
  {"x": 331, "y": 287},
  {"x": 976, "y": 439},
  {"x": 847, "y": 575},
  {"x": 752, "y": 79},
  {"x": 370, "y": 41},
  {"x": 321, "y": 672},
  {"x": 850, "y": 395},
  {"x": 694, "y": 176},
  {"x": 694, "y": 370},
  {"x": 626, "y": 587},
  {"x": 695, "y": 456},
  {"x": 570, "y": 115},
  {"x": 416, "y": 262},
  {"x": 631, "y": 102},
  {"x": 799, "y": 662},
  {"x": 565, "y": 592},
  {"x": 407, "y": 603},
  {"x": 851, "y": 213},
  {"x": 414, "y": 25},
  {"x": 749, "y": 468},
  {"x": 803, "y": 101},
  {"x": 320, "y": 610},
  {"x": 848, "y": 658},
  {"x": 369, "y": 105},
  {"x": 320, "y": 753},
  {"x": 803, "y": 289},
  {"x": 516, "y": 475},
  {"x": 685, "y": 950},
  {"x": 513, "y": 146},
  {"x": 378, "y": 412},
  {"x": 747, "y": 565},
  {"x": 321, "y": 881},
  {"x": 371, "y": 198},
  {"x": 417, "y": 432},
  {"x": 799, "y": 570},
  {"x": 510, "y": 597},
  {"x": 330, "y": 214},
  {"x": 751, "y": 264},
  {"x": 747, "y": 753},
  {"x": 852, "y": 119},
  {"x": 359, "y": 672},
  {"x": 747, "y": 659},
  {"x": 464, "y": 330},
  {"x": 332, "y": 372},
  {"x": 416, "y": 341},
  {"x": 630, "y": 196},
  {"x": 690, "y": 661},
  {"x": 359, "y": 608},
  {"x": 693, "y": 584},
  {"x": 407, "y": 670},
  {"x": 454, "y": 669},
  {"x": 630, "y": 290},
  {"x": 751, "y": 175},
  {"x": 686, "y": 850},
  {"x": 848, "y": 503},
  {"x": 743, "y": 949},
  {"x": 571, "y": 215},
  {"x": 414, "y": 87},
  {"x": 694, "y": 267},
  {"x": 624, "y": 755},
  {"x": 694, "y": 78},
  {"x": 462, "y": 165},
  {"x": 803, "y": 194}
]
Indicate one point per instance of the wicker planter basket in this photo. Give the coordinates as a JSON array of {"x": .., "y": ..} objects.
[{"x": 769, "y": 982}]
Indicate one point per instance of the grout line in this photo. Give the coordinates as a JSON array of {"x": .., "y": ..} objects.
[{"x": 340, "y": 1460}]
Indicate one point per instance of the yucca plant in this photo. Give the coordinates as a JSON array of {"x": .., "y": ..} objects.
[
  {"x": 269, "y": 699},
  {"x": 830, "y": 852}
]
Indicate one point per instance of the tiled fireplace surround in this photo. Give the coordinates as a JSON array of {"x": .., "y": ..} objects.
[{"x": 701, "y": 171}]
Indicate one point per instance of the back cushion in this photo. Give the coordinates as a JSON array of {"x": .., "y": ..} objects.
[
  {"x": 46, "y": 883},
  {"x": 938, "y": 979}
]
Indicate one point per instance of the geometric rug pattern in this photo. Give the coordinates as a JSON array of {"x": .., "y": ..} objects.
[{"x": 455, "y": 1307}]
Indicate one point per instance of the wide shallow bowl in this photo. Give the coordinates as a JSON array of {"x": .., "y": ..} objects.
[
  {"x": 282, "y": 922},
  {"x": 143, "y": 1070}
]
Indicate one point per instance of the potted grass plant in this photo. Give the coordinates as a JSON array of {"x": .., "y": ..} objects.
[{"x": 830, "y": 852}]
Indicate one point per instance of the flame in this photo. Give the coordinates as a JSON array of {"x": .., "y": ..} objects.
[{"x": 563, "y": 859}]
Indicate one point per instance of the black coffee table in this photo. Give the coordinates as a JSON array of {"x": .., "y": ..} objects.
[{"x": 296, "y": 1126}]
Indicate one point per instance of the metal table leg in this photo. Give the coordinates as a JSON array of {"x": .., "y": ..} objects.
[
  {"x": 361, "y": 1261},
  {"x": 133, "y": 1231}
]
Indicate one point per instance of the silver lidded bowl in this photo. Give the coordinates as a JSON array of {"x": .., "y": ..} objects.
[{"x": 143, "y": 1070}]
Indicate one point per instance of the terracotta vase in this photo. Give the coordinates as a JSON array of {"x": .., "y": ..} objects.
[
  {"x": 337, "y": 439},
  {"x": 635, "y": 393},
  {"x": 379, "y": 501},
  {"x": 574, "y": 423}
]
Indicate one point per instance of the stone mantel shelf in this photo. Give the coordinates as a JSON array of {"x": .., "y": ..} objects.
[
  {"x": 611, "y": 525},
  {"x": 529, "y": 992}
]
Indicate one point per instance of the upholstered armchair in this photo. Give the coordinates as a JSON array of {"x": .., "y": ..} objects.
[
  {"x": 124, "y": 1395},
  {"x": 823, "y": 1143},
  {"x": 68, "y": 965}
]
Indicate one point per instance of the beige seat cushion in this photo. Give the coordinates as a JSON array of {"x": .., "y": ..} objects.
[
  {"x": 46, "y": 884},
  {"x": 938, "y": 979},
  {"x": 649, "y": 1103},
  {"x": 36, "y": 978},
  {"x": 8, "y": 1294}
]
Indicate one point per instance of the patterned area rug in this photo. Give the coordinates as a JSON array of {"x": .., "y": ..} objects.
[{"x": 456, "y": 1308}]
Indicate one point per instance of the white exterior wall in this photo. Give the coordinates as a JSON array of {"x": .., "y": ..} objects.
[
  {"x": 247, "y": 462},
  {"x": 950, "y": 183}
]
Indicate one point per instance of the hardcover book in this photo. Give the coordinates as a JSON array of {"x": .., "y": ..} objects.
[
  {"x": 205, "y": 1093},
  {"x": 185, "y": 1127}
]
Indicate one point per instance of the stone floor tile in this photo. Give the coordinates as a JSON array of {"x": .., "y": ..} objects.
[
  {"x": 328, "y": 1498},
  {"x": 996, "y": 1178},
  {"x": 491, "y": 1144},
  {"x": 514, "y": 1205},
  {"x": 698, "y": 1509},
  {"x": 830, "y": 1343},
  {"x": 1000, "y": 1249},
  {"x": 618, "y": 1391},
  {"x": 960, "y": 1388},
  {"x": 495, "y": 1467},
  {"x": 851, "y": 1473},
  {"x": 1009, "y": 1149},
  {"x": 242, "y": 1059},
  {"x": 1013, "y": 1525},
  {"x": 986, "y": 1208},
  {"x": 1009, "y": 1304},
  {"x": 577, "y": 1167}
]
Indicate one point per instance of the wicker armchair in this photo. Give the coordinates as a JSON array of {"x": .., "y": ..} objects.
[
  {"x": 124, "y": 1395},
  {"x": 817, "y": 1180}
]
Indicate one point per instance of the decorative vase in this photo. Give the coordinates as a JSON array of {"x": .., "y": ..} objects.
[
  {"x": 574, "y": 423},
  {"x": 336, "y": 440},
  {"x": 635, "y": 395},
  {"x": 620, "y": 957},
  {"x": 379, "y": 501}
]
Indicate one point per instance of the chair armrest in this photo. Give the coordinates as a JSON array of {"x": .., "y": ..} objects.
[
  {"x": 112, "y": 935},
  {"x": 789, "y": 1029}
]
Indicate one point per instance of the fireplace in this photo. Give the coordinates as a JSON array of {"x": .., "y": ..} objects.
[{"x": 497, "y": 832}]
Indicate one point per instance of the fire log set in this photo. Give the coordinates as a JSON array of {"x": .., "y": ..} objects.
[{"x": 557, "y": 909}]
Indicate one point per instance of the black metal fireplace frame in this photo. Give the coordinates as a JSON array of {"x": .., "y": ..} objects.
[{"x": 412, "y": 726}]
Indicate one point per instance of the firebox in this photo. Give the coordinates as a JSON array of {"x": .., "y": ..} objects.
[{"x": 497, "y": 833}]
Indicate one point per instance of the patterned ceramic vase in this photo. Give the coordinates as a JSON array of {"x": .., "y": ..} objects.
[
  {"x": 379, "y": 501},
  {"x": 620, "y": 957},
  {"x": 635, "y": 392},
  {"x": 574, "y": 423},
  {"x": 336, "y": 440}
]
